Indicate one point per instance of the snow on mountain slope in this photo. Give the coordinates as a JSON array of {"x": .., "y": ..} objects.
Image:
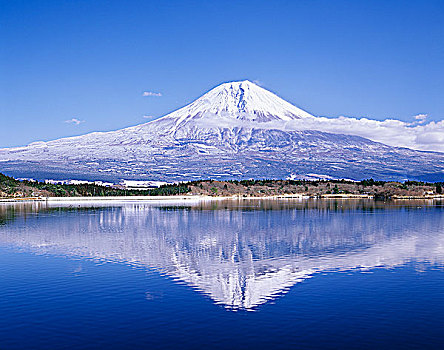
[
  {"x": 240, "y": 100},
  {"x": 236, "y": 130}
]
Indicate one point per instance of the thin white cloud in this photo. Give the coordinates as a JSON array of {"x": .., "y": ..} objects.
[
  {"x": 258, "y": 82},
  {"x": 420, "y": 116},
  {"x": 74, "y": 121},
  {"x": 151, "y": 93},
  {"x": 148, "y": 117}
]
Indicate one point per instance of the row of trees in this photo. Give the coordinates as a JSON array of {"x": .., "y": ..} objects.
[{"x": 9, "y": 185}]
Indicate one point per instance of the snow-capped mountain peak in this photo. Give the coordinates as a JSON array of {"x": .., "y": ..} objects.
[
  {"x": 246, "y": 100},
  {"x": 238, "y": 100}
]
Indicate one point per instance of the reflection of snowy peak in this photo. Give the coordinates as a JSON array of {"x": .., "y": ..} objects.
[
  {"x": 236, "y": 130},
  {"x": 239, "y": 259}
]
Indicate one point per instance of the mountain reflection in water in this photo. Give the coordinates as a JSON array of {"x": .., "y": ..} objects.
[{"x": 239, "y": 253}]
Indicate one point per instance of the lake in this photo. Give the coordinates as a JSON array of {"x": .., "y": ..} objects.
[{"x": 228, "y": 274}]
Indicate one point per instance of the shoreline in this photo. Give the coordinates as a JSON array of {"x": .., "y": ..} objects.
[{"x": 204, "y": 198}]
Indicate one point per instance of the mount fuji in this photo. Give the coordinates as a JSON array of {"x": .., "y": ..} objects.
[{"x": 237, "y": 130}]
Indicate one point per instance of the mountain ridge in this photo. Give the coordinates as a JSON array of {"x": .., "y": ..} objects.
[{"x": 236, "y": 130}]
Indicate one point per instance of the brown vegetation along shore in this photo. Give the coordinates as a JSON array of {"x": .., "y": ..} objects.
[
  {"x": 317, "y": 189},
  {"x": 12, "y": 188}
]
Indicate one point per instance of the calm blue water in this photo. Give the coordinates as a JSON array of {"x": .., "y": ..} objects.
[{"x": 222, "y": 275}]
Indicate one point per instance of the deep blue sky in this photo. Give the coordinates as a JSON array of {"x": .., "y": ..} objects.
[{"x": 92, "y": 60}]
